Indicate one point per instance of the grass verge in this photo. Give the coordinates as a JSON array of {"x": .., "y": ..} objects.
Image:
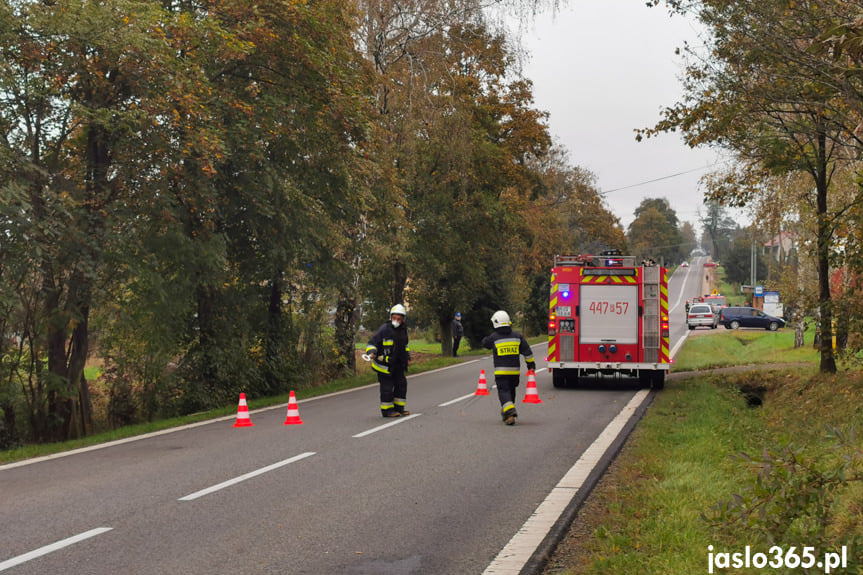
[
  {"x": 644, "y": 516},
  {"x": 724, "y": 348},
  {"x": 704, "y": 467}
]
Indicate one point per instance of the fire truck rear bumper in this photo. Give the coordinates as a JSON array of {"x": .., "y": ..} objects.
[{"x": 608, "y": 366}]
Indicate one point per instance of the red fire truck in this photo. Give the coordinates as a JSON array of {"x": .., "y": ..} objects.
[{"x": 608, "y": 317}]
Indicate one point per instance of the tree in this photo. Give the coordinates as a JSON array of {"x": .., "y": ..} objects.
[
  {"x": 687, "y": 233},
  {"x": 738, "y": 262},
  {"x": 71, "y": 117},
  {"x": 654, "y": 234},
  {"x": 473, "y": 180},
  {"x": 771, "y": 96},
  {"x": 719, "y": 229},
  {"x": 187, "y": 166}
]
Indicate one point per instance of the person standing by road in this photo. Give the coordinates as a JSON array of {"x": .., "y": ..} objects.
[
  {"x": 390, "y": 355},
  {"x": 507, "y": 345},
  {"x": 457, "y": 333}
]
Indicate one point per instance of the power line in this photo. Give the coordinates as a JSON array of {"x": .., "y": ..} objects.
[{"x": 659, "y": 179}]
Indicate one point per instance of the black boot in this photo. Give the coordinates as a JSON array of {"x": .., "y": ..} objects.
[
  {"x": 400, "y": 407},
  {"x": 509, "y": 416}
]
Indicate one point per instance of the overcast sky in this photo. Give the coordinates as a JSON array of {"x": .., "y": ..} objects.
[{"x": 603, "y": 68}]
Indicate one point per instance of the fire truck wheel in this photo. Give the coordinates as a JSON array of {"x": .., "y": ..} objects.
[
  {"x": 557, "y": 379},
  {"x": 645, "y": 379},
  {"x": 658, "y": 379}
]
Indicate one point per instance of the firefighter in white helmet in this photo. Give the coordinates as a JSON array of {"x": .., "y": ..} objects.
[
  {"x": 507, "y": 346},
  {"x": 390, "y": 356}
]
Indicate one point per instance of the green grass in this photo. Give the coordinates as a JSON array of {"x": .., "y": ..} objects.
[
  {"x": 657, "y": 509},
  {"x": 416, "y": 345},
  {"x": 646, "y": 515},
  {"x": 724, "y": 348}
]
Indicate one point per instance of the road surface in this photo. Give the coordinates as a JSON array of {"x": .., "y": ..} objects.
[{"x": 447, "y": 490}]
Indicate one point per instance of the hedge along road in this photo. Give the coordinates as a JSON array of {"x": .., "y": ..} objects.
[{"x": 449, "y": 489}]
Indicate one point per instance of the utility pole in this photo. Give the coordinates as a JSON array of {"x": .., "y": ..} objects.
[{"x": 753, "y": 265}]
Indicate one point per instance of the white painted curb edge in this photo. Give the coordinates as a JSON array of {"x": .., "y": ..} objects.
[{"x": 515, "y": 555}]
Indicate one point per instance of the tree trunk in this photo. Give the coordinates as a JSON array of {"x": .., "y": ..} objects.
[
  {"x": 9, "y": 431},
  {"x": 798, "y": 333},
  {"x": 274, "y": 348},
  {"x": 80, "y": 421},
  {"x": 828, "y": 361},
  {"x": 843, "y": 326},
  {"x": 346, "y": 319},
  {"x": 205, "y": 295},
  {"x": 399, "y": 281},
  {"x": 446, "y": 341}
]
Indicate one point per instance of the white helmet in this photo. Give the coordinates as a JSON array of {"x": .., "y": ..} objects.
[
  {"x": 399, "y": 309},
  {"x": 500, "y": 318}
]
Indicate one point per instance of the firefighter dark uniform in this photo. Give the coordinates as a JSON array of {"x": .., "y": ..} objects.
[
  {"x": 457, "y": 333},
  {"x": 507, "y": 346},
  {"x": 390, "y": 356}
]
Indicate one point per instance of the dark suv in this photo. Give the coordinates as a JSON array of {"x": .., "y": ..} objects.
[{"x": 734, "y": 317}]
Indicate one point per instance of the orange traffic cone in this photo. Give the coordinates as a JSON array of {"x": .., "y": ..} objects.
[
  {"x": 293, "y": 411},
  {"x": 530, "y": 395},
  {"x": 482, "y": 388},
  {"x": 243, "y": 419}
]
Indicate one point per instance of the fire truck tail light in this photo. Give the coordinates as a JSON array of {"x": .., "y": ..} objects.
[{"x": 665, "y": 326}]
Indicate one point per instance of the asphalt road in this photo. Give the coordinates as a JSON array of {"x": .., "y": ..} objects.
[{"x": 440, "y": 492}]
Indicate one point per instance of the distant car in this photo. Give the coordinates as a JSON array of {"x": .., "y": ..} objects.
[
  {"x": 734, "y": 317},
  {"x": 684, "y": 265},
  {"x": 701, "y": 314}
]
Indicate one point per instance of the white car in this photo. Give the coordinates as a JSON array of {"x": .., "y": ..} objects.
[{"x": 701, "y": 314}]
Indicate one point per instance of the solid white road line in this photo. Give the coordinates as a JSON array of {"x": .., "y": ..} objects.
[
  {"x": 682, "y": 289},
  {"x": 9, "y": 563},
  {"x": 513, "y": 557},
  {"x": 395, "y": 421},
  {"x": 249, "y": 475}
]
